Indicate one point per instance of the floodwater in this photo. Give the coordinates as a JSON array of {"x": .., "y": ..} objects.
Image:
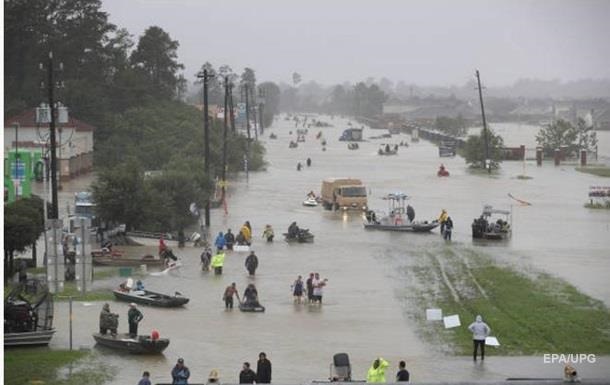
[{"x": 365, "y": 312}]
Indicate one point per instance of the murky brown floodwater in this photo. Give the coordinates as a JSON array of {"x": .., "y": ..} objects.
[{"x": 363, "y": 314}]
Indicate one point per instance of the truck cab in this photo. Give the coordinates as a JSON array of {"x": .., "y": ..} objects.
[{"x": 344, "y": 194}]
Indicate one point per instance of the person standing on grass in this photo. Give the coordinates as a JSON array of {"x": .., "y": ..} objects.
[{"x": 480, "y": 331}]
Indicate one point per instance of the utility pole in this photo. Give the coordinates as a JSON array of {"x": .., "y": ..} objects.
[
  {"x": 261, "y": 94},
  {"x": 254, "y": 112},
  {"x": 51, "y": 87},
  {"x": 487, "y": 160},
  {"x": 17, "y": 181},
  {"x": 206, "y": 138},
  {"x": 247, "y": 115},
  {"x": 231, "y": 110},
  {"x": 224, "y": 139}
]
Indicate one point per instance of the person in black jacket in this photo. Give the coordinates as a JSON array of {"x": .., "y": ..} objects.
[
  {"x": 263, "y": 369},
  {"x": 403, "y": 373},
  {"x": 229, "y": 239},
  {"x": 247, "y": 375},
  {"x": 251, "y": 263}
]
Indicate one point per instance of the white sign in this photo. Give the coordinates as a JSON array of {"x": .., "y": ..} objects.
[
  {"x": 451, "y": 321},
  {"x": 434, "y": 314},
  {"x": 492, "y": 341}
]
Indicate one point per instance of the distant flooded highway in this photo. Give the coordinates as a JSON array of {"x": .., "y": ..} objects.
[{"x": 366, "y": 304}]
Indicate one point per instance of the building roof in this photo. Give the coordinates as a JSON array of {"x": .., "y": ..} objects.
[{"x": 27, "y": 119}]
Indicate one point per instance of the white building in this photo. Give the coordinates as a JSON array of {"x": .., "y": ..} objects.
[{"x": 74, "y": 141}]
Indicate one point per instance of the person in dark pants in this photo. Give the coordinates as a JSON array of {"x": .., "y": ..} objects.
[
  {"x": 448, "y": 229},
  {"x": 230, "y": 291},
  {"x": 251, "y": 263},
  {"x": 134, "y": 316},
  {"x": 229, "y": 239},
  {"x": 403, "y": 373},
  {"x": 263, "y": 369},
  {"x": 247, "y": 375},
  {"x": 309, "y": 284},
  {"x": 480, "y": 331}
]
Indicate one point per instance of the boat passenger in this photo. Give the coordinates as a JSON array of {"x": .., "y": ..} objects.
[
  {"x": 376, "y": 373},
  {"x": 139, "y": 285},
  {"x": 246, "y": 229},
  {"x": 410, "y": 213},
  {"x": 134, "y": 316},
  {"x": 308, "y": 162},
  {"x": 311, "y": 194},
  {"x": 108, "y": 321},
  {"x": 241, "y": 239},
  {"x": 442, "y": 218},
  {"x": 247, "y": 375},
  {"x": 213, "y": 377},
  {"x": 299, "y": 166},
  {"x": 162, "y": 245},
  {"x": 251, "y": 296},
  {"x": 387, "y": 148},
  {"x": 293, "y": 230}
]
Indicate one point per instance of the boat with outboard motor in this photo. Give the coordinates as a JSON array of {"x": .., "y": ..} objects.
[
  {"x": 310, "y": 202},
  {"x": 135, "y": 345},
  {"x": 304, "y": 236},
  {"x": 487, "y": 227},
  {"x": 401, "y": 217},
  {"x": 147, "y": 297},
  {"x": 251, "y": 309}
]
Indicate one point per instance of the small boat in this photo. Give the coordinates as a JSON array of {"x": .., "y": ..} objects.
[
  {"x": 251, "y": 309},
  {"x": 137, "y": 345},
  {"x": 146, "y": 297},
  {"x": 28, "y": 314},
  {"x": 353, "y": 146},
  {"x": 147, "y": 260},
  {"x": 386, "y": 150},
  {"x": 310, "y": 202},
  {"x": 304, "y": 237},
  {"x": 487, "y": 227},
  {"x": 400, "y": 217},
  {"x": 35, "y": 338},
  {"x": 272, "y": 136},
  {"x": 293, "y": 144},
  {"x": 301, "y": 139}
]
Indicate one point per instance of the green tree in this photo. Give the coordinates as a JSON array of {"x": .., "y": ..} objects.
[
  {"x": 215, "y": 84},
  {"x": 296, "y": 79},
  {"x": 156, "y": 58},
  {"x": 587, "y": 137},
  {"x": 23, "y": 224},
  {"x": 248, "y": 77},
  {"x": 271, "y": 94},
  {"x": 451, "y": 126},
  {"x": 555, "y": 135},
  {"x": 120, "y": 195},
  {"x": 474, "y": 149}
]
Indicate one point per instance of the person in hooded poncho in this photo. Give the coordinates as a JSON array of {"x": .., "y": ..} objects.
[
  {"x": 376, "y": 373},
  {"x": 480, "y": 331}
]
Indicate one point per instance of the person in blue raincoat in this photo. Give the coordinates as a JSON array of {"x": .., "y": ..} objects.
[{"x": 220, "y": 241}]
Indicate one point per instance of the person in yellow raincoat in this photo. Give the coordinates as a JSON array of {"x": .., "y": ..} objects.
[
  {"x": 376, "y": 373},
  {"x": 247, "y": 233},
  {"x": 218, "y": 262},
  {"x": 442, "y": 219}
]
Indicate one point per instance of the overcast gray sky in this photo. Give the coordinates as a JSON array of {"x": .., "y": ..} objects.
[{"x": 428, "y": 42}]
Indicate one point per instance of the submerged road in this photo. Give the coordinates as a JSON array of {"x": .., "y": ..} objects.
[{"x": 365, "y": 311}]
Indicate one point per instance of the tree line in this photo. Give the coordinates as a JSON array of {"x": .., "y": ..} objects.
[{"x": 134, "y": 93}]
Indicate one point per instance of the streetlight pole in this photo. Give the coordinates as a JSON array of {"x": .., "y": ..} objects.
[
  {"x": 224, "y": 139},
  {"x": 16, "y": 181}
]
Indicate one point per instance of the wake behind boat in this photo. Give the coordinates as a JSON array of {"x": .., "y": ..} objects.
[
  {"x": 400, "y": 218},
  {"x": 137, "y": 345}
]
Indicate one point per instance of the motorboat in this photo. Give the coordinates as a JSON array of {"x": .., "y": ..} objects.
[
  {"x": 272, "y": 136},
  {"x": 488, "y": 227},
  {"x": 28, "y": 315},
  {"x": 387, "y": 150},
  {"x": 109, "y": 260},
  {"x": 304, "y": 236},
  {"x": 135, "y": 345},
  {"x": 147, "y": 297},
  {"x": 353, "y": 146},
  {"x": 293, "y": 144},
  {"x": 310, "y": 202},
  {"x": 400, "y": 217}
]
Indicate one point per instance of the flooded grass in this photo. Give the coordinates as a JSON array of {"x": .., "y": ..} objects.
[
  {"x": 44, "y": 366},
  {"x": 598, "y": 205},
  {"x": 597, "y": 171},
  {"x": 70, "y": 290},
  {"x": 529, "y": 314}
]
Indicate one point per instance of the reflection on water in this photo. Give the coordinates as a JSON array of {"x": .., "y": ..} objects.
[{"x": 363, "y": 313}]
